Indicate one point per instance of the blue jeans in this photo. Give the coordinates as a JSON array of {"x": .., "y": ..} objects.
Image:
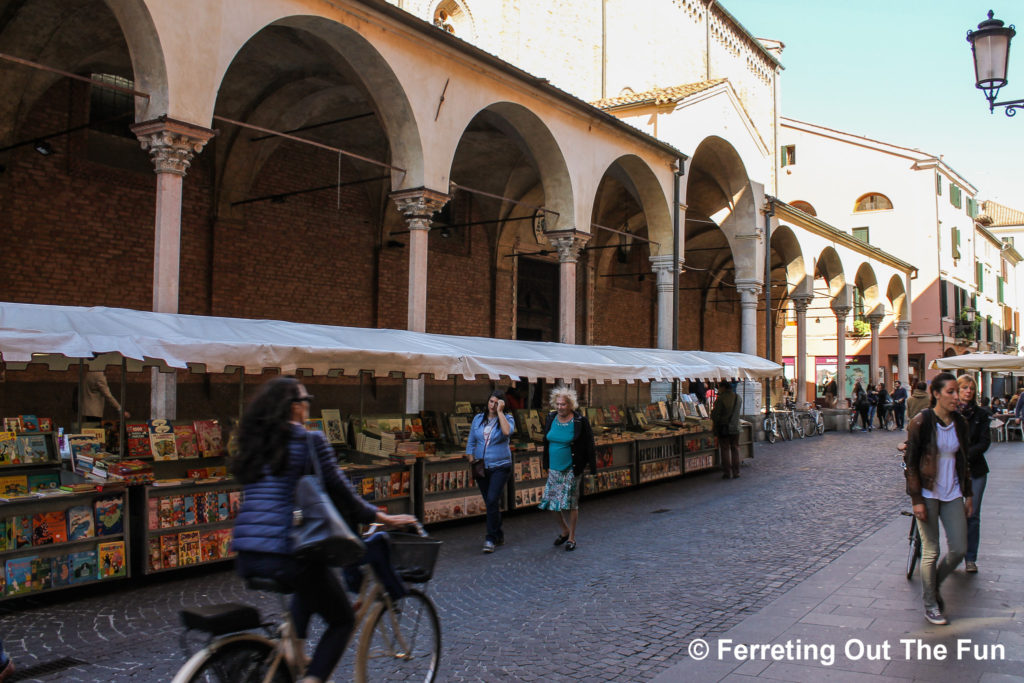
[
  {"x": 491, "y": 488},
  {"x": 871, "y": 415},
  {"x": 974, "y": 521}
]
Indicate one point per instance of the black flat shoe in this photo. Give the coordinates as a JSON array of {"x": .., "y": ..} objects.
[
  {"x": 561, "y": 539},
  {"x": 570, "y": 546}
]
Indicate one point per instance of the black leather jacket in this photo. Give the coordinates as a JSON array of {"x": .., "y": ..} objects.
[{"x": 979, "y": 437}]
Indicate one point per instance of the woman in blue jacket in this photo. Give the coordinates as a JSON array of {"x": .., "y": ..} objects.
[
  {"x": 568, "y": 451},
  {"x": 489, "y": 441},
  {"x": 273, "y": 452}
]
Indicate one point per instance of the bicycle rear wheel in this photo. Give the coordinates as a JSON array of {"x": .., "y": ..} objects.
[
  {"x": 914, "y": 553},
  {"x": 769, "y": 430},
  {"x": 798, "y": 428},
  {"x": 819, "y": 425},
  {"x": 243, "y": 660},
  {"x": 402, "y": 643}
]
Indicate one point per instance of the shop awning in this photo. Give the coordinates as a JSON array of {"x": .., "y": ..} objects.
[
  {"x": 61, "y": 335},
  {"x": 989, "y": 362}
]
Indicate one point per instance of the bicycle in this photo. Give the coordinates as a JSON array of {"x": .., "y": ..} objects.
[
  {"x": 399, "y": 639},
  {"x": 811, "y": 420},
  {"x": 914, "y": 535},
  {"x": 792, "y": 426},
  {"x": 771, "y": 426}
]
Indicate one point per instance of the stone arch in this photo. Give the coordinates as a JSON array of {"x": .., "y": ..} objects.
[
  {"x": 866, "y": 283},
  {"x": 148, "y": 64},
  {"x": 829, "y": 267},
  {"x": 896, "y": 292},
  {"x": 788, "y": 275}
]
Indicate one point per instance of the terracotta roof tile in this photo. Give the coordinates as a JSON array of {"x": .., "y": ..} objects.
[
  {"x": 1002, "y": 215},
  {"x": 657, "y": 95}
]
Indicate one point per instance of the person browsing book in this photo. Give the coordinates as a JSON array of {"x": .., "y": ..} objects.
[
  {"x": 488, "y": 441},
  {"x": 568, "y": 451},
  {"x": 95, "y": 395},
  {"x": 939, "y": 486},
  {"x": 272, "y": 453}
]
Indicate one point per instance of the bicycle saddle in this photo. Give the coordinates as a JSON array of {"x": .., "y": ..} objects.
[{"x": 219, "y": 619}]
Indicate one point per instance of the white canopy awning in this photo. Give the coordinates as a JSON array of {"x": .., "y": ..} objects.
[
  {"x": 989, "y": 362},
  {"x": 60, "y": 335}
]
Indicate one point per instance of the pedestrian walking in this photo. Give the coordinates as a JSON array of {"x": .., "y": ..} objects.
[
  {"x": 872, "y": 390},
  {"x": 899, "y": 403},
  {"x": 939, "y": 485},
  {"x": 861, "y": 405},
  {"x": 568, "y": 451},
  {"x": 489, "y": 441},
  {"x": 274, "y": 451},
  {"x": 883, "y": 404},
  {"x": 918, "y": 400},
  {"x": 979, "y": 438},
  {"x": 725, "y": 418}
]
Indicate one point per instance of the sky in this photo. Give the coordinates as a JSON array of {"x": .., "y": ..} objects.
[{"x": 900, "y": 71}]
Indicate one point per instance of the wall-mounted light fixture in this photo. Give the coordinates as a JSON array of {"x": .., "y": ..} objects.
[
  {"x": 990, "y": 45},
  {"x": 43, "y": 147}
]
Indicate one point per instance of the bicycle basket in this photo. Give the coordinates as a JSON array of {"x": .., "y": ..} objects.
[{"x": 414, "y": 556}]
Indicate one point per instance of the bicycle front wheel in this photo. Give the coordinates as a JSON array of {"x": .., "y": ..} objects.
[
  {"x": 819, "y": 425},
  {"x": 402, "y": 643},
  {"x": 242, "y": 659},
  {"x": 914, "y": 553},
  {"x": 769, "y": 430}
]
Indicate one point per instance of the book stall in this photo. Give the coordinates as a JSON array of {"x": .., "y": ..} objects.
[{"x": 97, "y": 502}]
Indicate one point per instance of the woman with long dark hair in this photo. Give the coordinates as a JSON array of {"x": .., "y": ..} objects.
[
  {"x": 274, "y": 450},
  {"x": 489, "y": 441},
  {"x": 979, "y": 439},
  {"x": 939, "y": 485}
]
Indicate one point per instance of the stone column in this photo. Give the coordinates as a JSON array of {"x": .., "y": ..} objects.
[
  {"x": 902, "y": 357},
  {"x": 749, "y": 292},
  {"x": 172, "y": 145},
  {"x": 418, "y": 206},
  {"x": 800, "y": 303},
  {"x": 841, "y": 313},
  {"x": 875, "y": 321},
  {"x": 568, "y": 243},
  {"x": 662, "y": 267}
]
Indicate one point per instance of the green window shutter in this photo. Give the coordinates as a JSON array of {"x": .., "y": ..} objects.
[
  {"x": 999, "y": 288},
  {"x": 938, "y": 185},
  {"x": 955, "y": 234},
  {"x": 954, "y": 196},
  {"x": 861, "y": 234},
  {"x": 979, "y": 275},
  {"x": 782, "y": 155}
]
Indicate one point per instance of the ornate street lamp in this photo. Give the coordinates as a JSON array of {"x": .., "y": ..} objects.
[{"x": 990, "y": 45}]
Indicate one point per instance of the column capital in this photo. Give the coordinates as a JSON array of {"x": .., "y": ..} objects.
[
  {"x": 664, "y": 263},
  {"x": 842, "y": 311},
  {"x": 749, "y": 290},
  {"x": 568, "y": 243},
  {"x": 903, "y": 326},
  {"x": 875, "y": 319},
  {"x": 172, "y": 144},
  {"x": 419, "y": 205},
  {"x": 801, "y": 302}
]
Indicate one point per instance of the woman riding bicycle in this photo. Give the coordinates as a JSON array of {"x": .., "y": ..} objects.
[{"x": 273, "y": 452}]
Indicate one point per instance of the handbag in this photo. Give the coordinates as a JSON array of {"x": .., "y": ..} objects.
[
  {"x": 318, "y": 530},
  {"x": 479, "y": 472}
]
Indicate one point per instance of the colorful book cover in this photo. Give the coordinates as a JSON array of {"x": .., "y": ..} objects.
[
  {"x": 15, "y": 485},
  {"x": 5, "y": 537},
  {"x": 212, "y": 511},
  {"x": 29, "y": 424},
  {"x": 33, "y": 449},
  {"x": 224, "y": 540},
  {"x": 19, "y": 575},
  {"x": 190, "y": 510},
  {"x": 188, "y": 548},
  {"x": 111, "y": 559},
  {"x": 166, "y": 513},
  {"x": 161, "y": 439},
  {"x": 45, "y": 425},
  {"x": 42, "y": 573},
  {"x": 210, "y": 543},
  {"x": 314, "y": 425},
  {"x": 21, "y": 532},
  {"x": 155, "y": 557},
  {"x": 177, "y": 511},
  {"x": 169, "y": 550},
  {"x": 49, "y": 527},
  {"x": 200, "y": 499},
  {"x": 61, "y": 571},
  {"x": 9, "y": 454},
  {"x": 234, "y": 503},
  {"x": 80, "y": 522},
  {"x": 83, "y": 566},
  {"x": 109, "y": 516},
  {"x": 223, "y": 511},
  {"x": 137, "y": 434},
  {"x": 210, "y": 438},
  {"x": 47, "y": 481},
  {"x": 185, "y": 442},
  {"x": 333, "y": 425},
  {"x": 12, "y": 424},
  {"x": 153, "y": 513}
]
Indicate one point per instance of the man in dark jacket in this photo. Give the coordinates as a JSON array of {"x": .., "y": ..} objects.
[
  {"x": 725, "y": 417},
  {"x": 899, "y": 403}
]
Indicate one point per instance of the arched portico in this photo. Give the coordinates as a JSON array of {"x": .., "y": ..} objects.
[{"x": 791, "y": 285}]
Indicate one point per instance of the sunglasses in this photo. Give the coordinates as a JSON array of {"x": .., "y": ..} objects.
[{"x": 308, "y": 398}]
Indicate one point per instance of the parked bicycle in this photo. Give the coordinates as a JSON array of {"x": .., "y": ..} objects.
[
  {"x": 399, "y": 639},
  {"x": 772, "y": 430},
  {"x": 811, "y": 420}
]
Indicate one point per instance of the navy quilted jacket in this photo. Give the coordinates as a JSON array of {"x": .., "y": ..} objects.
[{"x": 266, "y": 513}]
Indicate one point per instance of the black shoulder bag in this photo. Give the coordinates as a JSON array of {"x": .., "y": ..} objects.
[{"x": 318, "y": 531}]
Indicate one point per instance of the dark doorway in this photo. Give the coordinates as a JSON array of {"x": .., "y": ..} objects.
[{"x": 537, "y": 301}]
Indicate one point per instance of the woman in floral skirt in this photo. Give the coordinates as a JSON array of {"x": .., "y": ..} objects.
[{"x": 568, "y": 451}]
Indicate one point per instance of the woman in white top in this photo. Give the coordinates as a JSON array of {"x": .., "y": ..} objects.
[{"x": 939, "y": 485}]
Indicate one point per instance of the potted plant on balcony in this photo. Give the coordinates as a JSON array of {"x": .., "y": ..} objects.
[{"x": 861, "y": 328}]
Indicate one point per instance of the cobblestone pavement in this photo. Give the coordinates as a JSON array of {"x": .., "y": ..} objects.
[{"x": 655, "y": 567}]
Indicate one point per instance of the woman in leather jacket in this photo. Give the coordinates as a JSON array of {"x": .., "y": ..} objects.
[
  {"x": 979, "y": 439},
  {"x": 939, "y": 485}
]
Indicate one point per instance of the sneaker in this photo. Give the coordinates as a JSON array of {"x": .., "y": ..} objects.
[
  {"x": 971, "y": 567},
  {"x": 934, "y": 615},
  {"x": 488, "y": 546}
]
